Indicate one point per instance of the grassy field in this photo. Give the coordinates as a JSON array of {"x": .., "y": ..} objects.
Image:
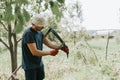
[{"x": 87, "y": 61}]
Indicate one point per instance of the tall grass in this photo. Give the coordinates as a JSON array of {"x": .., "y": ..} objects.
[{"x": 81, "y": 64}]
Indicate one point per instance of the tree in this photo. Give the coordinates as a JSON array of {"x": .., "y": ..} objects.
[
  {"x": 13, "y": 17},
  {"x": 72, "y": 18}
]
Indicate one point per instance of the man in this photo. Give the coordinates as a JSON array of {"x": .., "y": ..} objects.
[{"x": 32, "y": 44}]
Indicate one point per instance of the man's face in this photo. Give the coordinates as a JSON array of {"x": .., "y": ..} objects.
[{"x": 39, "y": 28}]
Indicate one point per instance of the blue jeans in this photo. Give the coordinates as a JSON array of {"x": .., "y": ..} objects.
[{"x": 35, "y": 74}]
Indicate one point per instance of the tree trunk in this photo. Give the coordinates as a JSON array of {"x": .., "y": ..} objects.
[
  {"x": 14, "y": 56},
  {"x": 13, "y": 48},
  {"x": 13, "y": 61}
]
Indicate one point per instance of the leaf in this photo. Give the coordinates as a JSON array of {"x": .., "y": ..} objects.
[
  {"x": 18, "y": 28},
  {"x": 38, "y": 1},
  {"x": 56, "y": 11},
  {"x": 8, "y": 17},
  {"x": 0, "y": 16},
  {"x": 20, "y": 23},
  {"x": 20, "y": 2},
  {"x": 51, "y": 3},
  {"x": 20, "y": 19},
  {"x": 17, "y": 9},
  {"x": 46, "y": 6},
  {"x": 24, "y": 1},
  {"x": 61, "y": 1},
  {"x": 26, "y": 15}
]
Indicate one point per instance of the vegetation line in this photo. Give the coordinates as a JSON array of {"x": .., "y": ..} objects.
[{"x": 92, "y": 50}]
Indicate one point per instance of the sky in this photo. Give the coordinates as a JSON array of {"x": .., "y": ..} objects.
[{"x": 101, "y": 14}]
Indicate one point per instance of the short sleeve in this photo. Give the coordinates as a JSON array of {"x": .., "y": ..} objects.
[{"x": 29, "y": 38}]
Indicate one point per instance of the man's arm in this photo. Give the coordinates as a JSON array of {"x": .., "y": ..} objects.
[
  {"x": 32, "y": 47},
  {"x": 36, "y": 52},
  {"x": 49, "y": 43}
]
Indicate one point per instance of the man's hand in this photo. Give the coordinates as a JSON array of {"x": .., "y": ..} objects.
[
  {"x": 54, "y": 52},
  {"x": 65, "y": 49}
]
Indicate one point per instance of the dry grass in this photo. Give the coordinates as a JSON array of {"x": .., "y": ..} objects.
[{"x": 81, "y": 64}]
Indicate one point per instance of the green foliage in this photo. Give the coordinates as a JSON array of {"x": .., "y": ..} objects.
[
  {"x": 51, "y": 3},
  {"x": 17, "y": 9},
  {"x": 55, "y": 9},
  {"x": 0, "y": 16},
  {"x": 8, "y": 16},
  {"x": 22, "y": 16},
  {"x": 26, "y": 15},
  {"x": 20, "y": 23},
  {"x": 18, "y": 28},
  {"x": 38, "y": 1},
  {"x": 46, "y": 6},
  {"x": 21, "y": 19},
  {"x": 14, "y": 13},
  {"x": 20, "y": 2},
  {"x": 61, "y": 1}
]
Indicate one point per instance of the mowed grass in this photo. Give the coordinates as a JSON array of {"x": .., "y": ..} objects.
[{"x": 81, "y": 64}]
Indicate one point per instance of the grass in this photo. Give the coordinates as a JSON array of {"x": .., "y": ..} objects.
[{"x": 81, "y": 64}]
